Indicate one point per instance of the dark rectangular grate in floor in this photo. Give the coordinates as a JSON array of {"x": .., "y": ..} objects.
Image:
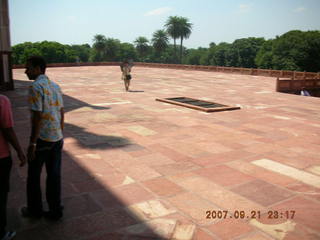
[{"x": 197, "y": 104}]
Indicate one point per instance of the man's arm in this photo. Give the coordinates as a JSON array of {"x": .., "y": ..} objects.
[
  {"x": 35, "y": 126},
  {"x": 62, "y": 118},
  {"x": 10, "y": 135},
  {"x": 35, "y": 130}
]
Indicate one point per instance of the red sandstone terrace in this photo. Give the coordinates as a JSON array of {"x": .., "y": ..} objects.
[{"x": 136, "y": 168}]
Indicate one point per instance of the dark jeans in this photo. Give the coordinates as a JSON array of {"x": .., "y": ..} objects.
[
  {"x": 5, "y": 168},
  {"x": 48, "y": 153}
]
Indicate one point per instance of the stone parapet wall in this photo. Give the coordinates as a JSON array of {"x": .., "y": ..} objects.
[
  {"x": 234, "y": 70},
  {"x": 294, "y": 86}
]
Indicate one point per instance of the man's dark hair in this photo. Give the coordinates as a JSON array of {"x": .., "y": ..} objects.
[{"x": 38, "y": 61}]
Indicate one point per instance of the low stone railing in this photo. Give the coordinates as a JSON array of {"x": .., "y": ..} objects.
[
  {"x": 296, "y": 85},
  {"x": 235, "y": 70}
]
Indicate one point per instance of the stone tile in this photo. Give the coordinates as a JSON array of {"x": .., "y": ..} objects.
[
  {"x": 202, "y": 235},
  {"x": 150, "y": 209},
  {"x": 262, "y": 192},
  {"x": 139, "y": 153},
  {"x": 230, "y": 228},
  {"x": 314, "y": 170},
  {"x": 170, "y": 153},
  {"x": 181, "y": 177},
  {"x": 111, "y": 236},
  {"x": 228, "y": 200},
  {"x": 162, "y": 187},
  {"x": 154, "y": 159},
  {"x": 197, "y": 184},
  {"x": 140, "y": 172},
  {"x": 188, "y": 150},
  {"x": 88, "y": 186},
  {"x": 224, "y": 175},
  {"x": 133, "y": 148},
  {"x": 184, "y": 231},
  {"x": 113, "y": 179},
  {"x": 160, "y": 228},
  {"x": 106, "y": 199},
  {"x": 301, "y": 232},
  {"x": 304, "y": 190},
  {"x": 215, "y": 159},
  {"x": 256, "y": 236},
  {"x": 141, "y": 130},
  {"x": 170, "y": 169},
  {"x": 307, "y": 212},
  {"x": 277, "y": 231},
  {"x": 193, "y": 206},
  {"x": 297, "y": 174},
  {"x": 212, "y": 147},
  {"x": 79, "y": 206},
  {"x": 131, "y": 194},
  {"x": 261, "y": 173}
]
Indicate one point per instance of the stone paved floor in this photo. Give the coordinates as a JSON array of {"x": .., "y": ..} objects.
[{"x": 136, "y": 168}]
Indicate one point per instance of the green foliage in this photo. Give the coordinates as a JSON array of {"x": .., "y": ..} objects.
[
  {"x": 53, "y": 52},
  {"x": 82, "y": 52},
  {"x": 264, "y": 56},
  {"x": 160, "y": 41},
  {"x": 196, "y": 56},
  {"x": 297, "y": 50},
  {"x": 294, "y": 50},
  {"x": 142, "y": 47},
  {"x": 127, "y": 51},
  {"x": 178, "y": 27}
]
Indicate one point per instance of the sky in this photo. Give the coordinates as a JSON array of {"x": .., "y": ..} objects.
[{"x": 77, "y": 21}]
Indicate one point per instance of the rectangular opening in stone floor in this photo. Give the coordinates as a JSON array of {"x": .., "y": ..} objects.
[{"x": 197, "y": 104}]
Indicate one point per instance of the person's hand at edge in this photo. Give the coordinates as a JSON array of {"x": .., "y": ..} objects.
[{"x": 22, "y": 158}]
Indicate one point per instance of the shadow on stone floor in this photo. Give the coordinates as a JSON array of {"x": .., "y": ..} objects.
[{"x": 92, "y": 210}]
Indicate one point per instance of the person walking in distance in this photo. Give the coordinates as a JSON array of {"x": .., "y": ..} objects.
[
  {"x": 126, "y": 76},
  {"x": 7, "y": 136},
  {"x": 46, "y": 142}
]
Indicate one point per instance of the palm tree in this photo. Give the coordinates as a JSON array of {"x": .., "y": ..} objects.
[
  {"x": 111, "y": 50},
  {"x": 185, "y": 28},
  {"x": 99, "y": 43},
  {"x": 160, "y": 40},
  {"x": 172, "y": 27},
  {"x": 142, "y": 45}
]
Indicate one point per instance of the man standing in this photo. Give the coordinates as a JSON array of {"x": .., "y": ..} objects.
[
  {"x": 7, "y": 135},
  {"x": 46, "y": 142}
]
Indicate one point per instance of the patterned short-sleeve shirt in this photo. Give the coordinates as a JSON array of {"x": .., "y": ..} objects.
[{"x": 45, "y": 96}]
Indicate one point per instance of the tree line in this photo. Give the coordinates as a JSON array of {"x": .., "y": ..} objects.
[{"x": 295, "y": 50}]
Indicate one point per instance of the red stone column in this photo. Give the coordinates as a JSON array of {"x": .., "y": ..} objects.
[{"x": 6, "y": 81}]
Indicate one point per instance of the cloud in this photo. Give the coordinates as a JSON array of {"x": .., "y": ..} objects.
[
  {"x": 158, "y": 11},
  {"x": 299, "y": 9},
  {"x": 243, "y": 8}
]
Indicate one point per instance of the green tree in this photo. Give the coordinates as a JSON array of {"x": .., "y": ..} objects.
[
  {"x": 195, "y": 56},
  {"x": 127, "y": 51},
  {"x": 172, "y": 27},
  {"x": 111, "y": 49},
  {"x": 22, "y": 51},
  {"x": 142, "y": 47},
  {"x": 82, "y": 52},
  {"x": 219, "y": 54},
  {"x": 297, "y": 50},
  {"x": 264, "y": 56},
  {"x": 160, "y": 41},
  {"x": 185, "y": 28},
  {"x": 99, "y": 44},
  {"x": 53, "y": 52},
  {"x": 243, "y": 52}
]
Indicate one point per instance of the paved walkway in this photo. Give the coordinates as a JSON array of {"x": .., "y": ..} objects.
[{"x": 136, "y": 168}]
